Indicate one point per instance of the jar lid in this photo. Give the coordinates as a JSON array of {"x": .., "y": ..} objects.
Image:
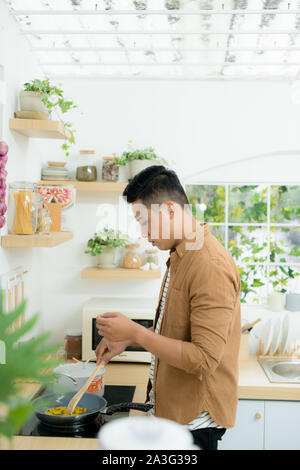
[
  {"x": 74, "y": 332},
  {"x": 151, "y": 251},
  {"x": 132, "y": 245},
  {"x": 87, "y": 152},
  {"x": 23, "y": 185},
  {"x": 109, "y": 158}
]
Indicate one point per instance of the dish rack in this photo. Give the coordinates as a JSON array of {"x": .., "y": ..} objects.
[{"x": 291, "y": 351}]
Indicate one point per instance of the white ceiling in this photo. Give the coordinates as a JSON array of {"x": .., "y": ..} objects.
[{"x": 184, "y": 39}]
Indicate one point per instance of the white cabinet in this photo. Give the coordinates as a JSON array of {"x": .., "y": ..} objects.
[
  {"x": 282, "y": 425},
  {"x": 264, "y": 424},
  {"x": 248, "y": 432}
]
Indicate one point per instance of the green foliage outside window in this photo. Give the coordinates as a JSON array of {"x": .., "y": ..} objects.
[{"x": 257, "y": 246}]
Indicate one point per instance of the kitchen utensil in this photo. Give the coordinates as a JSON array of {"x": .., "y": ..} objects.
[
  {"x": 73, "y": 376},
  {"x": 78, "y": 395},
  {"x": 248, "y": 326},
  {"x": 93, "y": 403}
]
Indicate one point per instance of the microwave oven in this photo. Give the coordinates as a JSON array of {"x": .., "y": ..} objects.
[{"x": 129, "y": 307}]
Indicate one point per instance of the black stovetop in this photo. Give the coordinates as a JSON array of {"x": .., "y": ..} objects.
[{"x": 112, "y": 393}]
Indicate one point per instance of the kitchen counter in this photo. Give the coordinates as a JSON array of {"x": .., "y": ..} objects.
[{"x": 253, "y": 384}]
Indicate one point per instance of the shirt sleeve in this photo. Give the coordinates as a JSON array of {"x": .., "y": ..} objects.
[{"x": 213, "y": 294}]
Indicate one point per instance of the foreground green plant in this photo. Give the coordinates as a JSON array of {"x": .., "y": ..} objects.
[
  {"x": 53, "y": 98},
  {"x": 105, "y": 237},
  {"x": 28, "y": 360}
]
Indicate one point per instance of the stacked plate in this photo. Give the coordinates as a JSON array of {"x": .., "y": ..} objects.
[
  {"x": 275, "y": 333},
  {"x": 55, "y": 171}
]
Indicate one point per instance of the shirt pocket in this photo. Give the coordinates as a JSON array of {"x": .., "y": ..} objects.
[{"x": 177, "y": 316}]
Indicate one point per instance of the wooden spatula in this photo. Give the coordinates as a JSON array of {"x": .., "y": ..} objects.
[{"x": 73, "y": 402}]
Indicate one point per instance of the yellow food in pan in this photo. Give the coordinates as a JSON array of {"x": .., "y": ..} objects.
[{"x": 61, "y": 410}]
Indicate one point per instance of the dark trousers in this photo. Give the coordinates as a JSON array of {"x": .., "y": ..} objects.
[{"x": 207, "y": 438}]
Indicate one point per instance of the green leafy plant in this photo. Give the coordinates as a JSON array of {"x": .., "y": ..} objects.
[
  {"x": 136, "y": 154},
  {"x": 20, "y": 360},
  {"x": 53, "y": 98},
  {"x": 105, "y": 237},
  {"x": 248, "y": 204}
]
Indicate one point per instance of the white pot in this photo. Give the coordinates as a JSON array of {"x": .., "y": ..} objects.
[
  {"x": 32, "y": 101},
  {"x": 73, "y": 376},
  {"x": 145, "y": 432},
  {"x": 107, "y": 257},
  {"x": 276, "y": 301},
  {"x": 135, "y": 166}
]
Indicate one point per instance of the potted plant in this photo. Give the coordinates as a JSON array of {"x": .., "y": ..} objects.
[
  {"x": 137, "y": 159},
  {"x": 42, "y": 96},
  {"x": 104, "y": 244},
  {"x": 32, "y": 359},
  {"x": 279, "y": 279}
]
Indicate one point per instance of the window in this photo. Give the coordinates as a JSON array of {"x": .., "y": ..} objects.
[{"x": 260, "y": 225}]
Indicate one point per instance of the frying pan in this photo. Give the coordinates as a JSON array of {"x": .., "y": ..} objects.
[{"x": 93, "y": 403}]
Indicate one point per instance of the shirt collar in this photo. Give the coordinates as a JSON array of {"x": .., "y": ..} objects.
[{"x": 192, "y": 241}]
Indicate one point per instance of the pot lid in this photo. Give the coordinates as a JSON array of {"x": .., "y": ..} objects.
[{"x": 79, "y": 369}]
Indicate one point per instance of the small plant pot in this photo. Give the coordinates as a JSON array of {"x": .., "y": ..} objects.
[
  {"x": 292, "y": 302},
  {"x": 107, "y": 257},
  {"x": 32, "y": 101},
  {"x": 135, "y": 166},
  {"x": 276, "y": 301}
]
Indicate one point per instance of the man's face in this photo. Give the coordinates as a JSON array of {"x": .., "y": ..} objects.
[{"x": 157, "y": 223}]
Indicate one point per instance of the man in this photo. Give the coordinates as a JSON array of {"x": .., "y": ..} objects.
[{"x": 196, "y": 335}]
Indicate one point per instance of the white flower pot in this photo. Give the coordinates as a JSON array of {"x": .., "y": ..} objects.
[
  {"x": 107, "y": 257},
  {"x": 135, "y": 166},
  {"x": 276, "y": 301},
  {"x": 32, "y": 101}
]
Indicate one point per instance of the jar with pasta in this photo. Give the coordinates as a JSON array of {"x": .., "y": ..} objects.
[
  {"x": 22, "y": 208},
  {"x": 132, "y": 258}
]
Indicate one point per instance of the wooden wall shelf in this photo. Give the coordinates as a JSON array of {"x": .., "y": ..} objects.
[
  {"x": 36, "y": 240},
  {"x": 89, "y": 186},
  {"x": 40, "y": 128},
  {"x": 119, "y": 273}
]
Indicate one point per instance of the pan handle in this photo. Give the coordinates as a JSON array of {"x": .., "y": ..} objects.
[{"x": 127, "y": 406}]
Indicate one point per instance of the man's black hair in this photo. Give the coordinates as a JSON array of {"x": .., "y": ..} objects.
[{"x": 154, "y": 185}]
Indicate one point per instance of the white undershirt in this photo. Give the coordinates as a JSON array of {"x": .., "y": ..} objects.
[{"x": 203, "y": 420}]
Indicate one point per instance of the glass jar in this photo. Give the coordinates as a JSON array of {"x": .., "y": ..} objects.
[
  {"x": 151, "y": 256},
  {"x": 132, "y": 258},
  {"x": 110, "y": 170},
  {"x": 73, "y": 344},
  {"x": 22, "y": 208},
  {"x": 86, "y": 168}
]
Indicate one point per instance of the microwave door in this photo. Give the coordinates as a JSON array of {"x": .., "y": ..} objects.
[{"x": 131, "y": 353}]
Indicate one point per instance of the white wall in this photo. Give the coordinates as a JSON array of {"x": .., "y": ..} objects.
[
  {"x": 25, "y": 155},
  {"x": 198, "y": 125}
]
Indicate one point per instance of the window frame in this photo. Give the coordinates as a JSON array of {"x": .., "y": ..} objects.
[{"x": 268, "y": 224}]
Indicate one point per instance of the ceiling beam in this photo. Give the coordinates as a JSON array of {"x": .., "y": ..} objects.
[
  {"x": 269, "y": 11},
  {"x": 164, "y": 49},
  {"x": 169, "y": 64},
  {"x": 154, "y": 32}
]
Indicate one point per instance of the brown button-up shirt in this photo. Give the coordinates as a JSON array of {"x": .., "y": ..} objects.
[{"x": 202, "y": 309}]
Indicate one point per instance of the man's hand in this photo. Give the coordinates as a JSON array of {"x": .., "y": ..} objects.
[
  {"x": 116, "y": 327},
  {"x": 106, "y": 350}
]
